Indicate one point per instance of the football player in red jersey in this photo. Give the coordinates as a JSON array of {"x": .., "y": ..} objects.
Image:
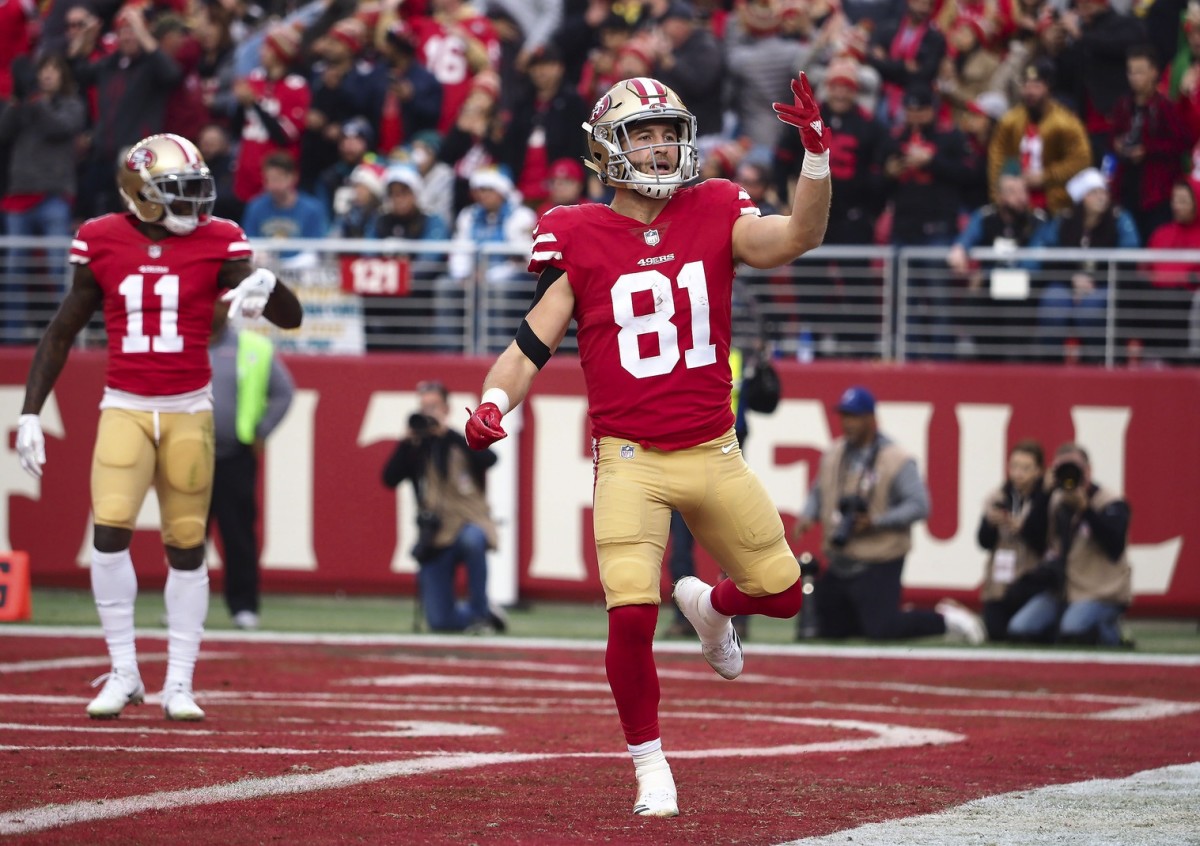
[
  {"x": 157, "y": 272},
  {"x": 648, "y": 281}
]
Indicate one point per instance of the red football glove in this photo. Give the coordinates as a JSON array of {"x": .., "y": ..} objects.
[
  {"x": 805, "y": 116},
  {"x": 483, "y": 429}
]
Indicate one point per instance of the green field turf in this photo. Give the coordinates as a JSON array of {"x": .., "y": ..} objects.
[{"x": 394, "y": 615}]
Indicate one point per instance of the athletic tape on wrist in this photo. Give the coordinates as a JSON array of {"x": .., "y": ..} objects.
[
  {"x": 499, "y": 396},
  {"x": 816, "y": 165}
]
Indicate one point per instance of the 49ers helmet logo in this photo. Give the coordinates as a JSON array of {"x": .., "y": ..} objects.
[
  {"x": 143, "y": 157},
  {"x": 598, "y": 110}
]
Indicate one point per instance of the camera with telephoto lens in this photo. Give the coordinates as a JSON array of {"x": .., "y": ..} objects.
[
  {"x": 1068, "y": 475},
  {"x": 421, "y": 424},
  {"x": 849, "y": 506},
  {"x": 428, "y": 523},
  {"x": 806, "y": 620}
]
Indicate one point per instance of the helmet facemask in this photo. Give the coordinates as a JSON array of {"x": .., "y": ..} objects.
[{"x": 186, "y": 199}]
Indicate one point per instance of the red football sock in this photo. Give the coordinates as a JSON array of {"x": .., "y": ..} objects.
[
  {"x": 728, "y": 600},
  {"x": 629, "y": 662}
]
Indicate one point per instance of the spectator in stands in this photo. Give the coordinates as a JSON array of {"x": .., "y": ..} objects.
[
  {"x": 271, "y": 109},
  {"x": 214, "y": 145},
  {"x": 1150, "y": 140},
  {"x": 567, "y": 182},
  {"x": 39, "y": 125},
  {"x": 761, "y": 63},
  {"x": 536, "y": 22},
  {"x": 1084, "y": 579},
  {"x": 360, "y": 218},
  {"x": 474, "y": 141},
  {"x": 1171, "y": 284},
  {"x": 970, "y": 63},
  {"x": 216, "y": 65},
  {"x": 905, "y": 52},
  {"x": 132, "y": 87},
  {"x": 599, "y": 72},
  {"x": 1008, "y": 224},
  {"x": 437, "y": 178},
  {"x": 281, "y": 211},
  {"x": 454, "y": 525},
  {"x": 356, "y": 141},
  {"x": 391, "y": 320},
  {"x": 544, "y": 126},
  {"x": 1182, "y": 81},
  {"x": 1044, "y": 138},
  {"x": 456, "y": 43},
  {"x": 925, "y": 168},
  {"x": 1094, "y": 65},
  {"x": 343, "y": 88},
  {"x": 1013, "y": 531},
  {"x": 867, "y": 495},
  {"x": 977, "y": 122},
  {"x": 413, "y": 102},
  {"x": 1074, "y": 309},
  {"x": 402, "y": 215},
  {"x": 186, "y": 113},
  {"x": 496, "y": 216},
  {"x": 691, "y": 62},
  {"x": 755, "y": 178}
]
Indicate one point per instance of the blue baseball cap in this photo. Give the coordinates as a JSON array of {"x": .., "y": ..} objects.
[{"x": 857, "y": 400}]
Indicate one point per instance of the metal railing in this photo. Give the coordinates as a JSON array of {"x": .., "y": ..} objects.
[{"x": 1109, "y": 307}]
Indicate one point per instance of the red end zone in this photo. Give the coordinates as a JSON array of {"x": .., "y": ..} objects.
[{"x": 454, "y": 740}]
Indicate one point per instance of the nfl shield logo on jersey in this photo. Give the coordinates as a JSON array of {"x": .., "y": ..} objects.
[
  {"x": 652, "y": 237},
  {"x": 155, "y": 251},
  {"x": 627, "y": 450}
]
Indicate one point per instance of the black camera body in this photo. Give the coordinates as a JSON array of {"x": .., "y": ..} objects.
[
  {"x": 806, "y": 620},
  {"x": 421, "y": 424},
  {"x": 428, "y": 524},
  {"x": 1068, "y": 475},
  {"x": 849, "y": 506}
]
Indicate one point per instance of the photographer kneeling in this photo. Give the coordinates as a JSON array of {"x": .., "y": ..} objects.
[
  {"x": 1084, "y": 582},
  {"x": 867, "y": 495},
  {"x": 454, "y": 525}
]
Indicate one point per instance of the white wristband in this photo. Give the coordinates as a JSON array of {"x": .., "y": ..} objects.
[
  {"x": 499, "y": 397},
  {"x": 816, "y": 165}
]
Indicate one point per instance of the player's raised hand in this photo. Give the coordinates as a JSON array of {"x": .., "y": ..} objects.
[
  {"x": 483, "y": 428},
  {"x": 804, "y": 114},
  {"x": 31, "y": 444},
  {"x": 250, "y": 297}
]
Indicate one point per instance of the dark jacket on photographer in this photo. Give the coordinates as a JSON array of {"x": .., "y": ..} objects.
[
  {"x": 1020, "y": 551},
  {"x": 449, "y": 479},
  {"x": 886, "y": 478},
  {"x": 1096, "y": 565}
]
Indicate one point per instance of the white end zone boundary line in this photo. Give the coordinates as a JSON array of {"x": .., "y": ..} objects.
[{"x": 900, "y": 653}]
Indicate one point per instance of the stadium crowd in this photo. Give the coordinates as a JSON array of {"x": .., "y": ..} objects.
[{"x": 955, "y": 123}]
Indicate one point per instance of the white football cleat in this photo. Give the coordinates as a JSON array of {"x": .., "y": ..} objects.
[
  {"x": 122, "y": 686},
  {"x": 247, "y": 621},
  {"x": 719, "y": 642},
  {"x": 179, "y": 704},
  {"x": 656, "y": 795},
  {"x": 962, "y": 621}
]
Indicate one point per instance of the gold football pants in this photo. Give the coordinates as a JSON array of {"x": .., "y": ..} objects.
[
  {"x": 174, "y": 452},
  {"x": 723, "y": 502}
]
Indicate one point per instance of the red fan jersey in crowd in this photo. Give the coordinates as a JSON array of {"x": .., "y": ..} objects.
[
  {"x": 158, "y": 299},
  {"x": 286, "y": 100},
  {"x": 652, "y": 305},
  {"x": 443, "y": 50}
]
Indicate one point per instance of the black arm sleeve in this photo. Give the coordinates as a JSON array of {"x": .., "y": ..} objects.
[{"x": 1110, "y": 528}]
